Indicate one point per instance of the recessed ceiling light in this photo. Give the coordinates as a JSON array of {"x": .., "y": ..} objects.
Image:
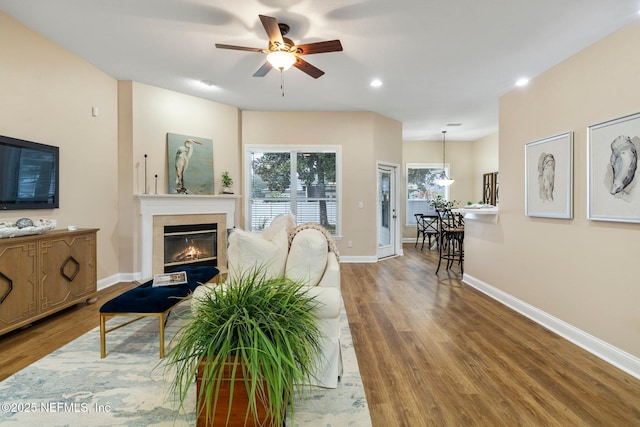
[
  {"x": 376, "y": 83},
  {"x": 522, "y": 82},
  {"x": 206, "y": 85}
]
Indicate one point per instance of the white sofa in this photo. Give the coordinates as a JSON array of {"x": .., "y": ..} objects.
[{"x": 304, "y": 253}]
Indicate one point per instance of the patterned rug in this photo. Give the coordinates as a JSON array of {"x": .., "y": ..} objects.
[{"x": 74, "y": 387}]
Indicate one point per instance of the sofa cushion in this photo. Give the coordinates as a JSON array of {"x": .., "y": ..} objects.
[
  {"x": 286, "y": 221},
  {"x": 251, "y": 250},
  {"x": 307, "y": 258}
]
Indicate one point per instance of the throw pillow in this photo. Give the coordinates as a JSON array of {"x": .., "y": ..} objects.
[
  {"x": 307, "y": 258},
  {"x": 251, "y": 250},
  {"x": 286, "y": 221}
]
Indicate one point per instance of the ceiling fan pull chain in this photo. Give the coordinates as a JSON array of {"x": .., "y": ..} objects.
[{"x": 282, "y": 81}]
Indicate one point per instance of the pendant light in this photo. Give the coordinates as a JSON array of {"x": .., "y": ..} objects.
[{"x": 445, "y": 180}]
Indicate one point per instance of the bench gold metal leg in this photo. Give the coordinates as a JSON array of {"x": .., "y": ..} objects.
[
  {"x": 161, "y": 317},
  {"x": 103, "y": 339}
]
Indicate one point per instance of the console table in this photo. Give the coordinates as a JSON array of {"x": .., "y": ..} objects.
[{"x": 45, "y": 273}]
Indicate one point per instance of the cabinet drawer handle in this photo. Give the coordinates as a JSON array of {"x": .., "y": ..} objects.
[
  {"x": 6, "y": 294},
  {"x": 74, "y": 264}
]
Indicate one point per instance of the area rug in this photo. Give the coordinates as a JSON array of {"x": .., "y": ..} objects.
[{"x": 74, "y": 387}]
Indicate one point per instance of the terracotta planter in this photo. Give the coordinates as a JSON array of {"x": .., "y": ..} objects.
[{"x": 238, "y": 415}]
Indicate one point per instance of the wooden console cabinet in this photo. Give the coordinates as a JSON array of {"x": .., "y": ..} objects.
[{"x": 45, "y": 273}]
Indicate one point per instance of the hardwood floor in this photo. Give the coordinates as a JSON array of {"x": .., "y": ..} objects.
[
  {"x": 432, "y": 352},
  {"x": 22, "y": 347}
]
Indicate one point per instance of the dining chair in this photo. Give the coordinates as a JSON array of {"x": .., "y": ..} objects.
[
  {"x": 451, "y": 239},
  {"x": 419, "y": 229},
  {"x": 427, "y": 227}
]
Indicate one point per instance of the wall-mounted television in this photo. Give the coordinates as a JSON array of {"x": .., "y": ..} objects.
[{"x": 29, "y": 175}]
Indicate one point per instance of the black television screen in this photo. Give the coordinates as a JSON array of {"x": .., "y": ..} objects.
[{"x": 29, "y": 175}]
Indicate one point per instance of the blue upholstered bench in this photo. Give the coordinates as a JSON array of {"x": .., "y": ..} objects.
[{"x": 147, "y": 301}]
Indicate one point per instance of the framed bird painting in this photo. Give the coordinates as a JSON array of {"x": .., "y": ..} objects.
[{"x": 190, "y": 164}]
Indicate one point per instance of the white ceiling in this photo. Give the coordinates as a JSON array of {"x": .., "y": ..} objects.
[{"x": 441, "y": 61}]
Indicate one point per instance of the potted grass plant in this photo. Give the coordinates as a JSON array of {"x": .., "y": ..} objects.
[{"x": 249, "y": 342}]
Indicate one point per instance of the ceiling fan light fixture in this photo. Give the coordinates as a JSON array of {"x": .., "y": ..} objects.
[{"x": 281, "y": 60}]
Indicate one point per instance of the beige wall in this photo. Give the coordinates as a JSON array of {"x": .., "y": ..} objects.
[
  {"x": 147, "y": 114},
  {"x": 365, "y": 138},
  {"x": 582, "y": 272},
  {"x": 50, "y": 92},
  {"x": 47, "y": 96},
  {"x": 462, "y": 168},
  {"x": 485, "y": 160},
  {"x": 387, "y": 140}
]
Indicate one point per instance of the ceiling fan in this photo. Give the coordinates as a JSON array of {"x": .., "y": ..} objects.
[{"x": 283, "y": 53}]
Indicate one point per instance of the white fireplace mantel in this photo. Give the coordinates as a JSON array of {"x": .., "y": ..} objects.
[{"x": 151, "y": 205}]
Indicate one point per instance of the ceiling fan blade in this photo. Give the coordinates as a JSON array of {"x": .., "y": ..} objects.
[
  {"x": 232, "y": 47},
  {"x": 262, "y": 71},
  {"x": 303, "y": 65},
  {"x": 319, "y": 47},
  {"x": 273, "y": 30}
]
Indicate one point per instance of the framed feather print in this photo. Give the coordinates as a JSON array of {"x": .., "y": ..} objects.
[
  {"x": 549, "y": 177},
  {"x": 613, "y": 192}
]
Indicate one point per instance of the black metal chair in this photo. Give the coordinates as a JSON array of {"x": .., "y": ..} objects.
[
  {"x": 451, "y": 239},
  {"x": 427, "y": 227}
]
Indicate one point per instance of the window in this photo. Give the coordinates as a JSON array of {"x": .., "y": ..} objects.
[
  {"x": 303, "y": 181},
  {"x": 421, "y": 188}
]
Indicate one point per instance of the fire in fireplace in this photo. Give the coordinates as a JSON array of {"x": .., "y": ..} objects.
[{"x": 190, "y": 244}]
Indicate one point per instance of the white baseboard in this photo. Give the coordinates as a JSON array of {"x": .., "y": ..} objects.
[
  {"x": 358, "y": 259},
  {"x": 108, "y": 281},
  {"x": 117, "y": 278},
  {"x": 605, "y": 351}
]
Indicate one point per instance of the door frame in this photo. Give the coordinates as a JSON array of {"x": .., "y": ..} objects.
[{"x": 396, "y": 240}]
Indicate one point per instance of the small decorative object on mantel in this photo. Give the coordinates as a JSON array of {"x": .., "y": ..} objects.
[
  {"x": 227, "y": 182},
  {"x": 145, "y": 175},
  {"x": 25, "y": 227}
]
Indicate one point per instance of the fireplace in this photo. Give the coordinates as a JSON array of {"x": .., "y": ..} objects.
[
  {"x": 158, "y": 210},
  {"x": 188, "y": 240},
  {"x": 194, "y": 244}
]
